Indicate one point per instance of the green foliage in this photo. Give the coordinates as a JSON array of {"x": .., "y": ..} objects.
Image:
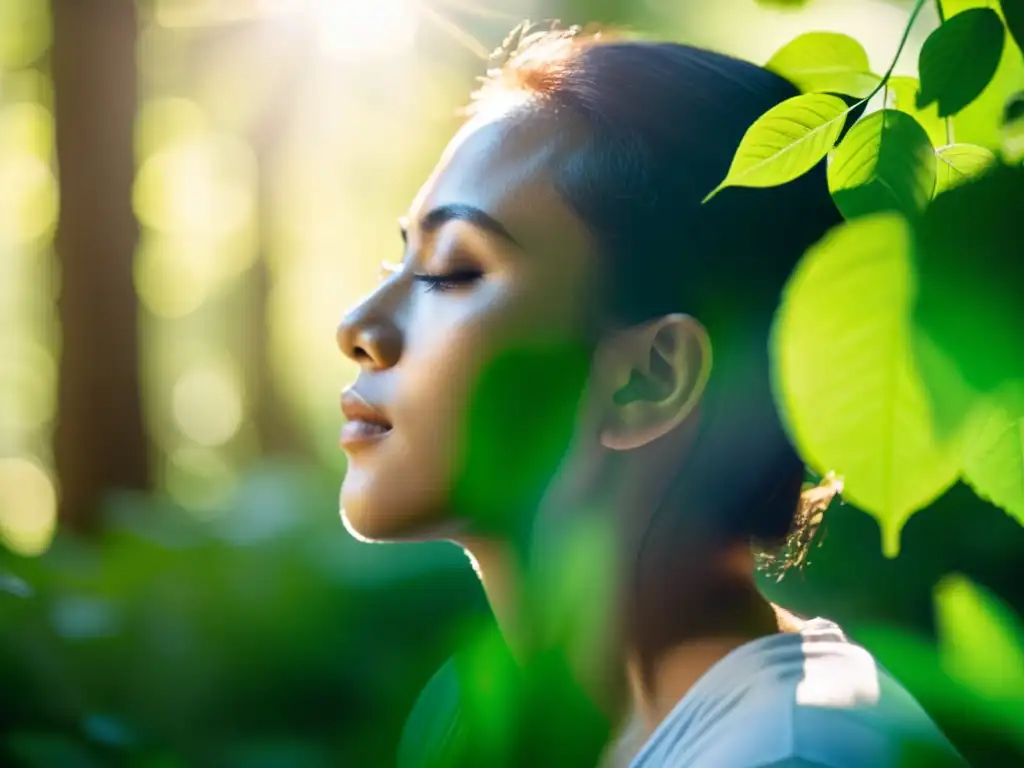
[
  {"x": 959, "y": 59},
  {"x": 786, "y": 141},
  {"x": 994, "y": 451},
  {"x": 974, "y": 674},
  {"x": 264, "y": 637},
  {"x": 840, "y": 347},
  {"x": 825, "y": 62},
  {"x": 1013, "y": 13},
  {"x": 901, "y": 92},
  {"x": 971, "y": 279},
  {"x": 903, "y": 327},
  {"x": 1012, "y": 130},
  {"x": 959, "y": 162},
  {"x": 885, "y": 162},
  {"x": 982, "y": 642}
]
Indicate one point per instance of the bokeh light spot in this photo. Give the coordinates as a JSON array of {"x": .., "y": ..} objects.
[
  {"x": 24, "y": 32},
  {"x": 28, "y": 385},
  {"x": 162, "y": 123},
  {"x": 173, "y": 278},
  {"x": 204, "y": 186},
  {"x": 200, "y": 479},
  {"x": 207, "y": 404},
  {"x": 28, "y": 506},
  {"x": 28, "y": 188}
]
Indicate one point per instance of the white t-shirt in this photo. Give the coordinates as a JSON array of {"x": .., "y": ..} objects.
[{"x": 811, "y": 699}]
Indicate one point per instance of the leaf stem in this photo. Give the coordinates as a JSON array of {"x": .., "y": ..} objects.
[{"x": 903, "y": 41}]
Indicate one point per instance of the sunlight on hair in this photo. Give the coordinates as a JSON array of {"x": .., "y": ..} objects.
[
  {"x": 28, "y": 506},
  {"x": 355, "y": 30}
]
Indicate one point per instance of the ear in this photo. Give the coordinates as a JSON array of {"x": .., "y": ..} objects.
[{"x": 657, "y": 372}]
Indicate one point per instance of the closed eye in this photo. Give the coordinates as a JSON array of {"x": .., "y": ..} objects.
[{"x": 450, "y": 281}]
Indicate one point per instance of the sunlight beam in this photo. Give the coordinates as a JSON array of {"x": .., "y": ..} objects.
[{"x": 357, "y": 29}]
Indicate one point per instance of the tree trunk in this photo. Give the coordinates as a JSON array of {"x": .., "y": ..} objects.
[{"x": 100, "y": 441}]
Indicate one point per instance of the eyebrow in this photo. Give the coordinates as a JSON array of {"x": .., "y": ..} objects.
[{"x": 441, "y": 215}]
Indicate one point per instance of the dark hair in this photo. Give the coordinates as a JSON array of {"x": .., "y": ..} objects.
[{"x": 663, "y": 121}]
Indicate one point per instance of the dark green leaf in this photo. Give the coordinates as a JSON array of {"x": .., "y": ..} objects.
[
  {"x": 786, "y": 141},
  {"x": 901, "y": 94},
  {"x": 1012, "y": 130},
  {"x": 886, "y": 162},
  {"x": 959, "y": 59},
  {"x": 1013, "y": 12},
  {"x": 959, "y": 162},
  {"x": 840, "y": 347},
  {"x": 825, "y": 62},
  {"x": 971, "y": 277}
]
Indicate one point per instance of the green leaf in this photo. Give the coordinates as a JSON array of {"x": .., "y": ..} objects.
[
  {"x": 901, "y": 92},
  {"x": 958, "y": 163},
  {"x": 786, "y": 141},
  {"x": 886, "y": 162},
  {"x": 981, "y": 641},
  {"x": 1013, "y": 12},
  {"x": 970, "y": 278},
  {"x": 994, "y": 450},
  {"x": 959, "y": 59},
  {"x": 825, "y": 61},
  {"x": 1011, "y": 130},
  {"x": 844, "y": 375}
]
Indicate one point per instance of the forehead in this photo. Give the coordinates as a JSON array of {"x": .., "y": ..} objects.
[{"x": 506, "y": 164}]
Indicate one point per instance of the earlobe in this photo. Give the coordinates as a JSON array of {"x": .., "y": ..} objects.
[{"x": 666, "y": 364}]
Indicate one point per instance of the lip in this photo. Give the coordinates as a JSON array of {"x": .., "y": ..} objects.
[{"x": 365, "y": 424}]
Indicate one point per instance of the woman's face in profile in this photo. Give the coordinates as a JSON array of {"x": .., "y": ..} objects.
[{"x": 472, "y": 350}]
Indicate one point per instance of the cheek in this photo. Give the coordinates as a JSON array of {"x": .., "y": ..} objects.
[
  {"x": 503, "y": 390},
  {"x": 485, "y": 405}
]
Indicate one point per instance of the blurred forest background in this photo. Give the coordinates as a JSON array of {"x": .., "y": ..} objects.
[{"x": 191, "y": 194}]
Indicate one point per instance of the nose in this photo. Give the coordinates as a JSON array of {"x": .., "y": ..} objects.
[{"x": 370, "y": 337}]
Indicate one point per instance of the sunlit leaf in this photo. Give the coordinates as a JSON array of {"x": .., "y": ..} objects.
[
  {"x": 901, "y": 93},
  {"x": 1013, "y": 12},
  {"x": 845, "y": 378},
  {"x": 885, "y": 163},
  {"x": 786, "y": 141},
  {"x": 825, "y": 61},
  {"x": 959, "y": 59},
  {"x": 994, "y": 451},
  {"x": 981, "y": 641},
  {"x": 959, "y": 162}
]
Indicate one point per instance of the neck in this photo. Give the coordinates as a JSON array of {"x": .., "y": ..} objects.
[
  {"x": 636, "y": 689},
  {"x": 499, "y": 566},
  {"x": 683, "y": 637}
]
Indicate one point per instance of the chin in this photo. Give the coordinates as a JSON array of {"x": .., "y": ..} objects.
[{"x": 393, "y": 514}]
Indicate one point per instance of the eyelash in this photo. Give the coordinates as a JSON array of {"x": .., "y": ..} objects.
[{"x": 450, "y": 281}]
